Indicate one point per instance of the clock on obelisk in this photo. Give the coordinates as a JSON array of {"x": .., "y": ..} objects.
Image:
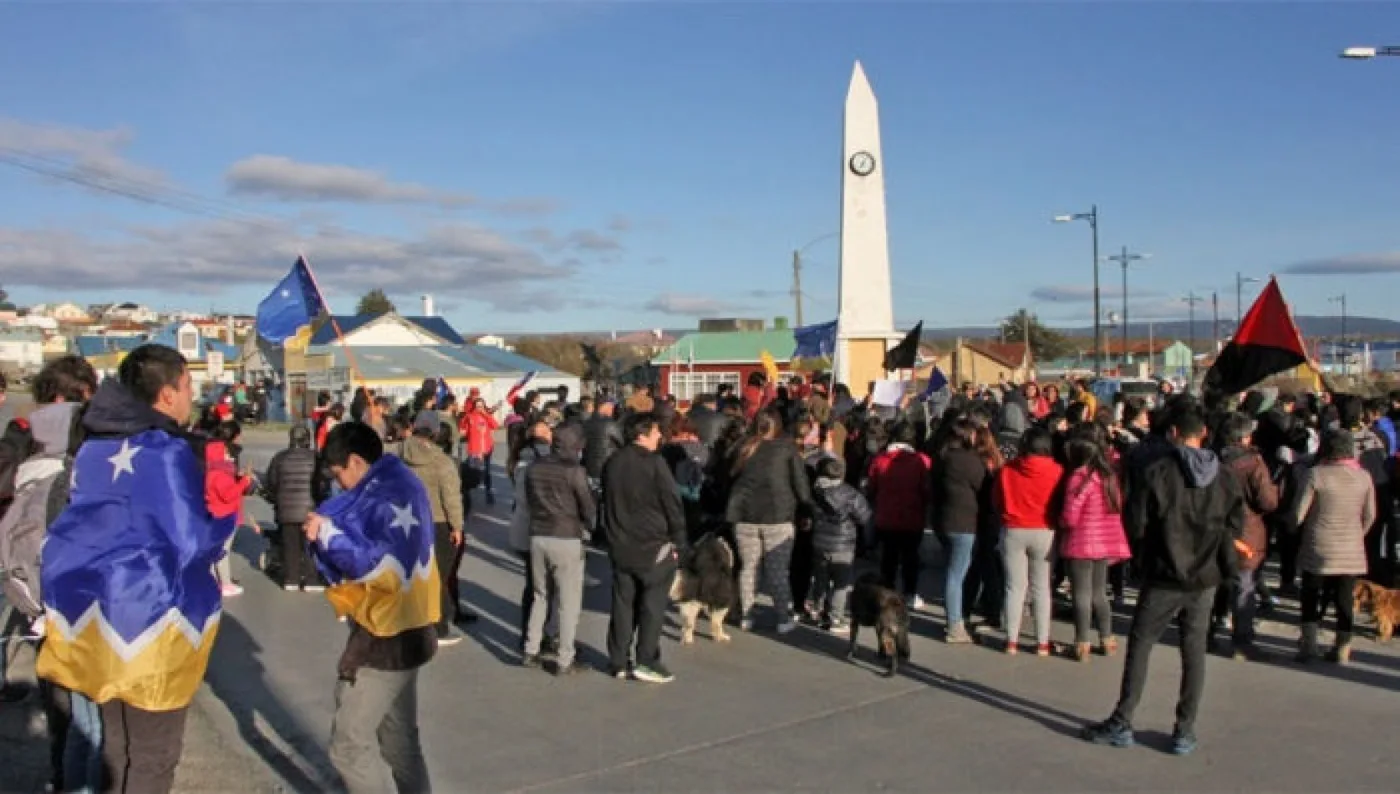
[{"x": 865, "y": 319}]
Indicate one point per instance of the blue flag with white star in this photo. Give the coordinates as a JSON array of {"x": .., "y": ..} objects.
[
  {"x": 131, "y": 603},
  {"x": 291, "y": 305},
  {"x": 375, "y": 550}
]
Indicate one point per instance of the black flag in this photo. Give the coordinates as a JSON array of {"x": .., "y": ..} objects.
[{"x": 905, "y": 355}]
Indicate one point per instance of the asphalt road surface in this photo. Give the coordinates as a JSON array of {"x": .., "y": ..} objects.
[{"x": 767, "y": 713}]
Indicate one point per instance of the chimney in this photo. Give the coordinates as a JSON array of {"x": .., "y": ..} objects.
[{"x": 427, "y": 305}]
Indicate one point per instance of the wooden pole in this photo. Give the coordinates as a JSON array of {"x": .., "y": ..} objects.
[{"x": 339, "y": 335}]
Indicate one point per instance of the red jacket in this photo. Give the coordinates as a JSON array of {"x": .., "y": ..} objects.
[
  {"x": 223, "y": 488},
  {"x": 900, "y": 488},
  {"x": 1025, "y": 492},
  {"x": 477, "y": 428}
]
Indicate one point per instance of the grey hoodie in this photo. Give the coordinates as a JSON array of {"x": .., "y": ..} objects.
[
  {"x": 1198, "y": 466},
  {"x": 52, "y": 426}
]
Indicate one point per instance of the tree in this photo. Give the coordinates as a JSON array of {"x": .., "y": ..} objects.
[
  {"x": 1046, "y": 343},
  {"x": 375, "y": 303},
  {"x": 565, "y": 354}
]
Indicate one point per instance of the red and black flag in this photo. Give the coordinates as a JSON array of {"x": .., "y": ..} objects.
[
  {"x": 905, "y": 355},
  {"x": 1266, "y": 343}
]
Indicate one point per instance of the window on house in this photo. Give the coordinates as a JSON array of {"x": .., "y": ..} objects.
[{"x": 689, "y": 385}]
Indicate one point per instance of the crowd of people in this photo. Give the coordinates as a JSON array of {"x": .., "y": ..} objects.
[{"x": 1032, "y": 497}]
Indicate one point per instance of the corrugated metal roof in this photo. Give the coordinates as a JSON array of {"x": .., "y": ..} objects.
[
  {"x": 726, "y": 346},
  {"x": 431, "y": 361},
  {"x": 349, "y": 323}
]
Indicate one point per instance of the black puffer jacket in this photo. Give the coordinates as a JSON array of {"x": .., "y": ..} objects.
[
  {"x": 709, "y": 424},
  {"x": 602, "y": 437},
  {"x": 839, "y": 512},
  {"x": 556, "y": 490},
  {"x": 289, "y": 477},
  {"x": 772, "y": 486}
]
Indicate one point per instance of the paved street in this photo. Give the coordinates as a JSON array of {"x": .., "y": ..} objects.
[{"x": 765, "y": 713}]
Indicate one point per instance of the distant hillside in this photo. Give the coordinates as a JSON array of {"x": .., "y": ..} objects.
[{"x": 1310, "y": 326}]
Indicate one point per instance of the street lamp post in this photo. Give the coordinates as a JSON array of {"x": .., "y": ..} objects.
[
  {"x": 1092, "y": 216},
  {"x": 797, "y": 271},
  {"x": 1241, "y": 280},
  {"x": 1191, "y": 300},
  {"x": 1346, "y": 363},
  {"x": 1125, "y": 258}
]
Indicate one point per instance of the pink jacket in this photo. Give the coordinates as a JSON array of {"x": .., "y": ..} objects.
[{"x": 1090, "y": 530}]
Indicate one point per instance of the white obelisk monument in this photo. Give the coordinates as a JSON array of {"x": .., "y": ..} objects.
[{"x": 865, "y": 323}]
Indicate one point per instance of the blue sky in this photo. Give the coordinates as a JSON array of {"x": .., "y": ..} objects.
[{"x": 558, "y": 166}]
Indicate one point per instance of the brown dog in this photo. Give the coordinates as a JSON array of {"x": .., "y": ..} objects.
[
  {"x": 882, "y": 609},
  {"x": 1382, "y": 604}
]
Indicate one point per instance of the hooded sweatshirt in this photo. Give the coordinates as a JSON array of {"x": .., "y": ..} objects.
[
  {"x": 556, "y": 490},
  {"x": 1183, "y": 520}
]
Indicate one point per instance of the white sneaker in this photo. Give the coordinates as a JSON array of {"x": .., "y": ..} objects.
[
  {"x": 231, "y": 590},
  {"x": 746, "y": 624},
  {"x": 313, "y": 588},
  {"x": 291, "y": 588},
  {"x": 787, "y": 626},
  {"x": 916, "y": 602}
]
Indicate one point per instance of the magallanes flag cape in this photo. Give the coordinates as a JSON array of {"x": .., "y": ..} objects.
[
  {"x": 375, "y": 550},
  {"x": 1266, "y": 343},
  {"x": 131, "y": 603}
]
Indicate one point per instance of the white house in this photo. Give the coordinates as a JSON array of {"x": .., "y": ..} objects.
[
  {"x": 131, "y": 313},
  {"x": 491, "y": 340},
  {"x": 22, "y": 347},
  {"x": 65, "y": 313},
  {"x": 38, "y": 321}
]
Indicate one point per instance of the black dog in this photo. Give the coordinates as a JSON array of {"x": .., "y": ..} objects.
[{"x": 883, "y": 609}]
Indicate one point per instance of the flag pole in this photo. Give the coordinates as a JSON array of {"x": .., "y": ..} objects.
[{"x": 339, "y": 335}]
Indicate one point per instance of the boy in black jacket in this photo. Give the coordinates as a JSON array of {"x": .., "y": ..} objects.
[
  {"x": 1182, "y": 522},
  {"x": 839, "y": 514}
]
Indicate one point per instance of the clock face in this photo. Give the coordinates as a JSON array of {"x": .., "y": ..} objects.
[{"x": 862, "y": 163}]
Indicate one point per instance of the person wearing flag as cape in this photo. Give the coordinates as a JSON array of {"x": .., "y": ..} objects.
[
  {"x": 373, "y": 543},
  {"x": 131, "y": 603}
]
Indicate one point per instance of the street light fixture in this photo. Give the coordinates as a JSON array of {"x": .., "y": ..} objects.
[
  {"x": 1240, "y": 281},
  {"x": 1126, "y": 258},
  {"x": 1092, "y": 216},
  {"x": 1346, "y": 363},
  {"x": 1192, "y": 299},
  {"x": 1367, "y": 53},
  {"x": 797, "y": 270}
]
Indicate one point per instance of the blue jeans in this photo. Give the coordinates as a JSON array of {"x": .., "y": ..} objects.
[
  {"x": 82, "y": 749},
  {"x": 959, "y": 561}
]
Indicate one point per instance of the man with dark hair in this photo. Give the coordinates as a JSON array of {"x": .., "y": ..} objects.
[
  {"x": 1183, "y": 521},
  {"x": 374, "y": 544},
  {"x": 1261, "y": 497},
  {"x": 646, "y": 529},
  {"x": 136, "y": 513},
  {"x": 39, "y": 481}
]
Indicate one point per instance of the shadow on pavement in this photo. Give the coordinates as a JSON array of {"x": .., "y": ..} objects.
[
  {"x": 835, "y": 648},
  {"x": 241, "y": 683}
]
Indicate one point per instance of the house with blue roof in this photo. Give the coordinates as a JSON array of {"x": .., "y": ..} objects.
[
  {"x": 392, "y": 354},
  {"x": 211, "y": 361}
]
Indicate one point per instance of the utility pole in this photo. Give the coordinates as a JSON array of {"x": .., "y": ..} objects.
[
  {"x": 1215, "y": 307},
  {"x": 1192, "y": 299},
  {"x": 797, "y": 284},
  {"x": 1346, "y": 362},
  {"x": 1125, "y": 258}
]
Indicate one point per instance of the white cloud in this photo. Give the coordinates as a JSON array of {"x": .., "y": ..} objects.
[
  {"x": 77, "y": 152},
  {"x": 285, "y": 179},
  {"x": 456, "y": 260},
  {"x": 1349, "y": 265},
  {"x": 689, "y": 305},
  {"x": 1084, "y": 293}
]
